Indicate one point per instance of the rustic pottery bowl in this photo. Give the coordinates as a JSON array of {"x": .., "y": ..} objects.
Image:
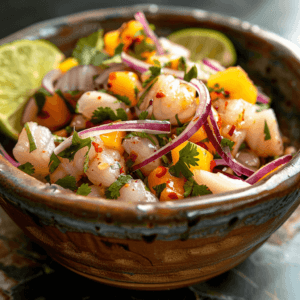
[{"x": 172, "y": 244}]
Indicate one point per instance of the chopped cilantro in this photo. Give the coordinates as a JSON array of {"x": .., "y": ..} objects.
[
  {"x": 54, "y": 162},
  {"x": 69, "y": 129},
  {"x": 178, "y": 121},
  {"x": 40, "y": 98},
  {"x": 136, "y": 91},
  {"x": 182, "y": 64},
  {"x": 262, "y": 106},
  {"x": 243, "y": 146},
  {"x": 187, "y": 157},
  {"x": 84, "y": 190},
  {"x": 75, "y": 92},
  {"x": 143, "y": 115},
  {"x": 47, "y": 178},
  {"x": 58, "y": 139},
  {"x": 32, "y": 145},
  {"x": 145, "y": 93},
  {"x": 227, "y": 143},
  {"x": 121, "y": 98},
  {"x": 192, "y": 188},
  {"x": 159, "y": 188},
  {"x": 27, "y": 168},
  {"x": 77, "y": 144},
  {"x": 61, "y": 95},
  {"x": 129, "y": 163},
  {"x": 140, "y": 174},
  {"x": 140, "y": 48},
  {"x": 106, "y": 113},
  {"x": 119, "y": 49},
  {"x": 218, "y": 90},
  {"x": 267, "y": 132},
  {"x": 179, "y": 130},
  {"x": 113, "y": 191},
  {"x": 67, "y": 182},
  {"x": 163, "y": 139},
  {"x": 141, "y": 135},
  {"x": 192, "y": 73},
  {"x": 154, "y": 71}
]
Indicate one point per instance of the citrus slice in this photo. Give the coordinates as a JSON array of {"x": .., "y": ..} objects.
[
  {"x": 23, "y": 64},
  {"x": 206, "y": 43}
]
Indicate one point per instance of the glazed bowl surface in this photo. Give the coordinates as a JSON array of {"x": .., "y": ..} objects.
[{"x": 168, "y": 244}]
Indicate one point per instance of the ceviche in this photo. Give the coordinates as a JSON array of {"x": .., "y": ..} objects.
[{"x": 130, "y": 117}]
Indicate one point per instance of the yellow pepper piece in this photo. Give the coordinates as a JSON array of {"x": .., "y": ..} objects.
[
  {"x": 113, "y": 140},
  {"x": 68, "y": 64},
  {"x": 205, "y": 157},
  {"x": 236, "y": 82},
  {"x": 124, "y": 83}
]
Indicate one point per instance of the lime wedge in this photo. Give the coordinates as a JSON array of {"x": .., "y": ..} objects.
[
  {"x": 206, "y": 43},
  {"x": 23, "y": 64}
]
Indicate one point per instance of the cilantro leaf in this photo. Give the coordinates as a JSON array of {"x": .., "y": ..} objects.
[
  {"x": 178, "y": 121},
  {"x": 54, "y": 162},
  {"x": 143, "y": 115},
  {"x": 84, "y": 190},
  {"x": 267, "y": 132},
  {"x": 159, "y": 188},
  {"x": 119, "y": 49},
  {"x": 136, "y": 91},
  {"x": 179, "y": 130},
  {"x": 262, "y": 106},
  {"x": 58, "y": 139},
  {"x": 227, "y": 143},
  {"x": 182, "y": 64},
  {"x": 40, "y": 98},
  {"x": 77, "y": 144},
  {"x": 32, "y": 145},
  {"x": 141, "y": 135},
  {"x": 154, "y": 72},
  {"x": 187, "y": 157},
  {"x": 67, "y": 182},
  {"x": 192, "y": 73},
  {"x": 106, "y": 113},
  {"x": 113, "y": 191},
  {"x": 27, "y": 168},
  {"x": 192, "y": 188},
  {"x": 143, "y": 46},
  {"x": 61, "y": 95}
]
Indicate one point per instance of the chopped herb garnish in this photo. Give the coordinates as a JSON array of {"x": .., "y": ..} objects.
[
  {"x": 77, "y": 144},
  {"x": 227, "y": 143},
  {"x": 47, "y": 178},
  {"x": 140, "y": 174},
  {"x": 54, "y": 162},
  {"x": 40, "y": 98},
  {"x": 69, "y": 129},
  {"x": 187, "y": 157},
  {"x": 154, "y": 72},
  {"x": 163, "y": 139},
  {"x": 61, "y": 95},
  {"x": 121, "y": 98},
  {"x": 143, "y": 115},
  {"x": 119, "y": 49},
  {"x": 67, "y": 182},
  {"x": 267, "y": 132},
  {"x": 136, "y": 91},
  {"x": 182, "y": 64},
  {"x": 129, "y": 163},
  {"x": 192, "y": 73},
  {"x": 141, "y": 47},
  {"x": 84, "y": 190},
  {"x": 262, "y": 106},
  {"x": 32, "y": 145},
  {"x": 106, "y": 113},
  {"x": 75, "y": 92},
  {"x": 113, "y": 191},
  {"x": 179, "y": 130},
  {"x": 27, "y": 168},
  {"x": 192, "y": 188},
  {"x": 218, "y": 90},
  {"x": 146, "y": 92},
  {"x": 141, "y": 135},
  {"x": 159, "y": 188},
  {"x": 243, "y": 146},
  {"x": 178, "y": 121},
  {"x": 58, "y": 139}
]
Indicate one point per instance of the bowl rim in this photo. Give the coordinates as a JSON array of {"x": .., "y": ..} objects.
[{"x": 36, "y": 191}]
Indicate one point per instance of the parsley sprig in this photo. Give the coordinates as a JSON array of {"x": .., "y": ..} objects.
[{"x": 27, "y": 168}]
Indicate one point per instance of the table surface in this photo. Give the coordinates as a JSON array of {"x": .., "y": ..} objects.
[{"x": 272, "y": 272}]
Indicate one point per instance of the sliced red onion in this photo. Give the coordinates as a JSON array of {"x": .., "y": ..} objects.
[
  {"x": 49, "y": 79},
  {"x": 197, "y": 121},
  {"x": 212, "y": 66},
  {"x": 7, "y": 157},
  {"x": 148, "y": 126},
  {"x": 134, "y": 63},
  {"x": 142, "y": 19},
  {"x": 79, "y": 78},
  {"x": 268, "y": 168},
  {"x": 220, "y": 162},
  {"x": 262, "y": 98}
]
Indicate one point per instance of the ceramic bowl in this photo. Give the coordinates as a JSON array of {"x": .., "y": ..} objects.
[{"x": 171, "y": 244}]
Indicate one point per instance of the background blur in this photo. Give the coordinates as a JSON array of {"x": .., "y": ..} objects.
[{"x": 279, "y": 16}]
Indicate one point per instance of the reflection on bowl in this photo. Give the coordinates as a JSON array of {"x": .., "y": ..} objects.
[{"x": 171, "y": 244}]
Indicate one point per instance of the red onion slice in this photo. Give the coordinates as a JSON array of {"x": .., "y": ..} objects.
[
  {"x": 194, "y": 125},
  {"x": 148, "y": 126},
  {"x": 268, "y": 168},
  {"x": 262, "y": 98},
  {"x": 209, "y": 64},
  {"x": 7, "y": 157},
  {"x": 142, "y": 19},
  {"x": 49, "y": 79}
]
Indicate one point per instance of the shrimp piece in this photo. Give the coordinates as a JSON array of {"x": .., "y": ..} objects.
[
  {"x": 256, "y": 137},
  {"x": 106, "y": 167},
  {"x": 218, "y": 182},
  {"x": 236, "y": 112},
  {"x": 141, "y": 148},
  {"x": 90, "y": 101},
  {"x": 171, "y": 97},
  {"x": 135, "y": 191},
  {"x": 97, "y": 191},
  {"x": 39, "y": 157}
]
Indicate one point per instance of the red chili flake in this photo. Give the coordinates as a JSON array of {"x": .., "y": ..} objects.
[
  {"x": 109, "y": 85},
  {"x": 168, "y": 181},
  {"x": 112, "y": 76},
  {"x": 226, "y": 94},
  {"x": 160, "y": 95},
  {"x": 122, "y": 170},
  {"x": 226, "y": 103},
  {"x": 97, "y": 148},
  {"x": 231, "y": 131},
  {"x": 243, "y": 115},
  {"x": 99, "y": 97},
  {"x": 150, "y": 102},
  {"x": 133, "y": 156},
  {"x": 219, "y": 122},
  {"x": 162, "y": 171},
  {"x": 44, "y": 114},
  {"x": 44, "y": 151},
  {"x": 212, "y": 165},
  {"x": 173, "y": 195},
  {"x": 216, "y": 107}
]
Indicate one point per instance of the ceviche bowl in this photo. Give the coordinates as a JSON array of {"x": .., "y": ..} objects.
[{"x": 164, "y": 245}]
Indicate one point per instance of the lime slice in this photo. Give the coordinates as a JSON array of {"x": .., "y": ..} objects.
[
  {"x": 23, "y": 64},
  {"x": 206, "y": 43}
]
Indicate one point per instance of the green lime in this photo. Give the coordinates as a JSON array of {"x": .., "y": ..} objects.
[
  {"x": 206, "y": 43},
  {"x": 23, "y": 64}
]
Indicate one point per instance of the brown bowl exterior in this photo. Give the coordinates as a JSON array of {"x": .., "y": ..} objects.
[{"x": 172, "y": 244}]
